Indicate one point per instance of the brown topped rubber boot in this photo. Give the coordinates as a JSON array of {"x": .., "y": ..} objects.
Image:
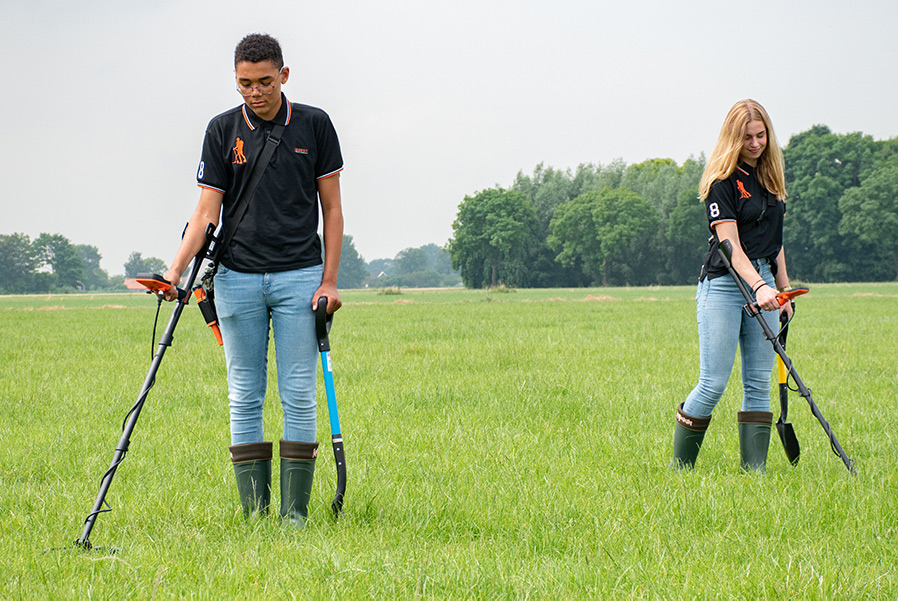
[
  {"x": 297, "y": 473},
  {"x": 754, "y": 439},
  {"x": 252, "y": 467},
  {"x": 689, "y": 432}
]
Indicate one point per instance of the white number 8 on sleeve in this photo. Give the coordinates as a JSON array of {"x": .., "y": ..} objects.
[{"x": 713, "y": 210}]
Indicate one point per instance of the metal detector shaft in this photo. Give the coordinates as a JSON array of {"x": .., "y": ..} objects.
[
  {"x": 165, "y": 341},
  {"x": 323, "y": 323},
  {"x": 725, "y": 251}
]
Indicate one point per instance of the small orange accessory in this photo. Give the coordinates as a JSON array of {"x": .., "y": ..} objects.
[{"x": 209, "y": 313}]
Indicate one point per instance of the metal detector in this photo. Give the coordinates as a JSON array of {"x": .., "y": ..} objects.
[
  {"x": 751, "y": 308},
  {"x": 157, "y": 284},
  {"x": 323, "y": 322}
]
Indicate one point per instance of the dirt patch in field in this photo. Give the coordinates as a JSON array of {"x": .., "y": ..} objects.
[
  {"x": 591, "y": 298},
  {"x": 403, "y": 301},
  {"x": 874, "y": 295},
  {"x": 62, "y": 308}
]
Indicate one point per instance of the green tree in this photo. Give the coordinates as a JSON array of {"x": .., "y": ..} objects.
[
  {"x": 95, "y": 278},
  {"x": 56, "y": 251},
  {"x": 628, "y": 234},
  {"x": 575, "y": 236},
  {"x": 656, "y": 180},
  {"x": 687, "y": 239},
  {"x": 380, "y": 266},
  {"x": 438, "y": 259},
  {"x": 494, "y": 233},
  {"x": 352, "y": 273},
  {"x": 18, "y": 264},
  {"x": 612, "y": 233},
  {"x": 137, "y": 264},
  {"x": 820, "y": 167},
  {"x": 411, "y": 260},
  {"x": 870, "y": 211}
]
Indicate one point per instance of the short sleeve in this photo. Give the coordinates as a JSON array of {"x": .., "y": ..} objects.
[
  {"x": 329, "y": 160},
  {"x": 212, "y": 172},
  {"x": 719, "y": 206}
]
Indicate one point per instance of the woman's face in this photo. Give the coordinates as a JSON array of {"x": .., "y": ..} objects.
[{"x": 754, "y": 143}]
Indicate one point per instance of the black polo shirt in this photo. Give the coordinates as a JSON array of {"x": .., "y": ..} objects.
[
  {"x": 279, "y": 230},
  {"x": 757, "y": 213}
]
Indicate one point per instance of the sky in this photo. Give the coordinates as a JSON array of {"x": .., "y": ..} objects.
[{"x": 104, "y": 102}]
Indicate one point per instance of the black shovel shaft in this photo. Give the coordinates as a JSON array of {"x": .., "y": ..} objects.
[
  {"x": 340, "y": 460},
  {"x": 124, "y": 442},
  {"x": 725, "y": 251}
]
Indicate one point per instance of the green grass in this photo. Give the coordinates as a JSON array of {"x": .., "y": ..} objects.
[{"x": 500, "y": 445}]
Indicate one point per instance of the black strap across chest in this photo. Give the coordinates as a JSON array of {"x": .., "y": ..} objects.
[{"x": 274, "y": 138}]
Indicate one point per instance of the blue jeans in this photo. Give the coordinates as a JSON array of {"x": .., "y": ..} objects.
[
  {"x": 246, "y": 304},
  {"x": 722, "y": 325}
]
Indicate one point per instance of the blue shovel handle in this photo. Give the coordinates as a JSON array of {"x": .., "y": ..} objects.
[{"x": 323, "y": 323}]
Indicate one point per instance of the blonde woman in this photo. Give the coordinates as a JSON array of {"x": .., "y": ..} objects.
[{"x": 743, "y": 188}]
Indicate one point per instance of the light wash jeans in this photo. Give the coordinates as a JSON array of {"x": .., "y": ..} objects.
[
  {"x": 722, "y": 325},
  {"x": 246, "y": 304}
]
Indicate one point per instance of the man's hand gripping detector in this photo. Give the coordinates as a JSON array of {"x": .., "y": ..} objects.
[
  {"x": 203, "y": 291},
  {"x": 155, "y": 283}
]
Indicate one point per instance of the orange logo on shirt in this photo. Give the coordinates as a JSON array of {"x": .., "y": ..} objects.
[
  {"x": 743, "y": 193},
  {"x": 239, "y": 157}
]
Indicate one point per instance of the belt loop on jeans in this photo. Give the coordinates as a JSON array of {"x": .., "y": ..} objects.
[{"x": 759, "y": 262}]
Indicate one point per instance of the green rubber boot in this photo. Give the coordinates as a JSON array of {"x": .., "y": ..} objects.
[
  {"x": 754, "y": 439},
  {"x": 252, "y": 466},
  {"x": 689, "y": 432},
  {"x": 297, "y": 473}
]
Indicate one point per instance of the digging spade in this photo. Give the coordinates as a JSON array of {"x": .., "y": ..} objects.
[
  {"x": 323, "y": 321},
  {"x": 784, "y": 428}
]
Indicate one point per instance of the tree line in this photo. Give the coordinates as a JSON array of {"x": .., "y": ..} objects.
[
  {"x": 641, "y": 224},
  {"x": 611, "y": 225},
  {"x": 51, "y": 263}
]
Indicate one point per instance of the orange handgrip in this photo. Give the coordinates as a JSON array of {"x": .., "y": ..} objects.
[
  {"x": 788, "y": 295},
  {"x": 153, "y": 282}
]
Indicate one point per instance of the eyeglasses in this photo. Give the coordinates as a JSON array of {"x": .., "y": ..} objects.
[{"x": 264, "y": 88}]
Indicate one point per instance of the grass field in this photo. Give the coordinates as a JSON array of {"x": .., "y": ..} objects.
[{"x": 503, "y": 445}]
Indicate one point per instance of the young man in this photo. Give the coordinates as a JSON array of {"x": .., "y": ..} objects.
[{"x": 271, "y": 273}]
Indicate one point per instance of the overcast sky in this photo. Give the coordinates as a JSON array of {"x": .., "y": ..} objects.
[{"x": 105, "y": 102}]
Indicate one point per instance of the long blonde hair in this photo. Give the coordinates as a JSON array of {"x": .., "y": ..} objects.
[{"x": 770, "y": 170}]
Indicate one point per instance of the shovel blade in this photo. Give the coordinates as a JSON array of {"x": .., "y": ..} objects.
[{"x": 789, "y": 440}]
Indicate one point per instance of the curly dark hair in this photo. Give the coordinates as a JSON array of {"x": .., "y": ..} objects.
[{"x": 258, "y": 47}]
